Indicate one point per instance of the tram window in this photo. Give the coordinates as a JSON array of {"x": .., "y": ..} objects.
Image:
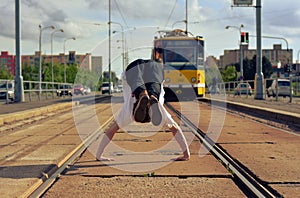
[{"x": 180, "y": 55}]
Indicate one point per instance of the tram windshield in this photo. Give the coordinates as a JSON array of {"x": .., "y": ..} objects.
[{"x": 180, "y": 55}]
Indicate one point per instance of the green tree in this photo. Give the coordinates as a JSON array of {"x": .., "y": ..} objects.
[
  {"x": 87, "y": 78},
  {"x": 71, "y": 72},
  {"x": 114, "y": 78},
  {"x": 229, "y": 74},
  {"x": 29, "y": 73},
  {"x": 4, "y": 73},
  {"x": 58, "y": 70},
  {"x": 250, "y": 68}
]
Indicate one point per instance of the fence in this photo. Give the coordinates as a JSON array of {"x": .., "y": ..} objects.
[
  {"x": 31, "y": 90},
  {"x": 234, "y": 88},
  {"x": 48, "y": 90}
]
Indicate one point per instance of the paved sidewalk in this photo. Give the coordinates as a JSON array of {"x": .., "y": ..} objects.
[
  {"x": 23, "y": 106},
  {"x": 282, "y": 104}
]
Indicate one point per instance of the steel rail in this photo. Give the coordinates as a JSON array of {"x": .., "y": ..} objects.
[
  {"x": 48, "y": 179},
  {"x": 246, "y": 177},
  {"x": 69, "y": 159}
]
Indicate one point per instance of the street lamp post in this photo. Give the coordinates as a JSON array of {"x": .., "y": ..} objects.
[
  {"x": 259, "y": 76},
  {"x": 241, "y": 50},
  {"x": 123, "y": 41},
  {"x": 123, "y": 48},
  {"x": 40, "y": 56},
  {"x": 65, "y": 74},
  {"x": 52, "y": 69},
  {"x": 278, "y": 76}
]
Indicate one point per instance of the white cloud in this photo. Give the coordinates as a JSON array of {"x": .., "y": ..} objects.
[{"x": 206, "y": 17}]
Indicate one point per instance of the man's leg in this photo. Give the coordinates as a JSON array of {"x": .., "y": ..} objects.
[
  {"x": 134, "y": 77},
  {"x": 105, "y": 141},
  {"x": 179, "y": 137},
  {"x": 153, "y": 77}
]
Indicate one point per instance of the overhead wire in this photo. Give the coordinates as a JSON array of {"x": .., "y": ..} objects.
[
  {"x": 170, "y": 15},
  {"x": 122, "y": 16}
]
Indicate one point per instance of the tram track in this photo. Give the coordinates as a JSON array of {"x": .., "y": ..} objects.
[
  {"x": 245, "y": 178},
  {"x": 50, "y": 175},
  {"x": 49, "y": 180}
]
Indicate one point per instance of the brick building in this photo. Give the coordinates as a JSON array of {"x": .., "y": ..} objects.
[
  {"x": 275, "y": 55},
  {"x": 86, "y": 61},
  {"x": 8, "y": 61}
]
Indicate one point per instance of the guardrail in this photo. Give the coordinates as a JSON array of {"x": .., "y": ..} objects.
[
  {"x": 231, "y": 88},
  {"x": 32, "y": 92}
]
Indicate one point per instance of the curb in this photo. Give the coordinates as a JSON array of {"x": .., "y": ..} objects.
[
  {"x": 284, "y": 117},
  {"x": 23, "y": 115}
]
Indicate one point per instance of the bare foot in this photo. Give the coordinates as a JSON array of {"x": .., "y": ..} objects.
[
  {"x": 183, "y": 158},
  {"x": 105, "y": 159}
]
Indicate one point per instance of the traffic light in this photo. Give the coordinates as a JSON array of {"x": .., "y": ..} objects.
[
  {"x": 287, "y": 68},
  {"x": 245, "y": 37}
]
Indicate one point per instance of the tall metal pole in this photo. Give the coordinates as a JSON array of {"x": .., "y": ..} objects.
[
  {"x": 259, "y": 77},
  {"x": 186, "y": 16},
  {"x": 19, "y": 89},
  {"x": 241, "y": 50},
  {"x": 123, "y": 42},
  {"x": 109, "y": 44},
  {"x": 241, "y": 56},
  {"x": 40, "y": 62},
  {"x": 123, "y": 46},
  {"x": 65, "y": 69},
  {"x": 52, "y": 69},
  {"x": 40, "y": 58}
]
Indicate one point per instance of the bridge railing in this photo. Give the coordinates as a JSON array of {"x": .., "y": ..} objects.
[
  {"x": 31, "y": 90},
  {"x": 231, "y": 89}
]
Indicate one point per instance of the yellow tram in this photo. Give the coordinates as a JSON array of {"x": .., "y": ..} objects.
[{"x": 183, "y": 62}]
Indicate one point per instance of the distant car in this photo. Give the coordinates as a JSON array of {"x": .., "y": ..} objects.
[
  {"x": 79, "y": 89},
  {"x": 120, "y": 87},
  {"x": 243, "y": 88},
  {"x": 105, "y": 88},
  {"x": 64, "y": 90},
  {"x": 283, "y": 89},
  {"x": 87, "y": 90},
  {"x": 7, "y": 89}
]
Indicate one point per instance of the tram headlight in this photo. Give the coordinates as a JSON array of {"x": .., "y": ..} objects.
[
  {"x": 168, "y": 80},
  {"x": 193, "y": 80}
]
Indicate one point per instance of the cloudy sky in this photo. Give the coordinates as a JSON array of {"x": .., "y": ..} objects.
[{"x": 87, "y": 21}]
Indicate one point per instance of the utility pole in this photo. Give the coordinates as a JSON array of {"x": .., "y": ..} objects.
[
  {"x": 109, "y": 45},
  {"x": 241, "y": 49},
  {"x": 19, "y": 88},
  {"x": 259, "y": 77},
  {"x": 186, "y": 16}
]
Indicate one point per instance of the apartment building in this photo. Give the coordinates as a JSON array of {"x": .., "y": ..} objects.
[
  {"x": 86, "y": 61},
  {"x": 8, "y": 61},
  {"x": 275, "y": 55}
]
